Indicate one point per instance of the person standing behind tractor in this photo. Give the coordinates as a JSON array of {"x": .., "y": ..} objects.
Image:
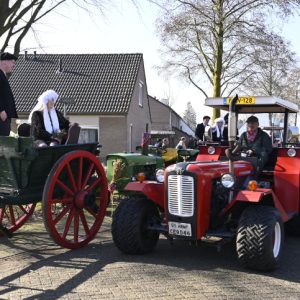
[
  {"x": 181, "y": 144},
  {"x": 200, "y": 130},
  {"x": 7, "y": 101},
  {"x": 217, "y": 130},
  {"x": 165, "y": 143}
]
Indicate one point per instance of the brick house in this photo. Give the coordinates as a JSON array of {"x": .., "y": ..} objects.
[
  {"x": 167, "y": 123},
  {"x": 107, "y": 94}
]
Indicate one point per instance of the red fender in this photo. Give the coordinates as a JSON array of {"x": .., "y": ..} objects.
[
  {"x": 255, "y": 197},
  {"x": 151, "y": 189}
]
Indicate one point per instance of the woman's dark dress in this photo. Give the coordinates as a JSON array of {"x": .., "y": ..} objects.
[{"x": 38, "y": 130}]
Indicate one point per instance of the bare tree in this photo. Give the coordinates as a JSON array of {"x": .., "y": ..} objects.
[
  {"x": 189, "y": 116},
  {"x": 291, "y": 90},
  {"x": 17, "y": 17},
  {"x": 209, "y": 42},
  {"x": 272, "y": 62}
]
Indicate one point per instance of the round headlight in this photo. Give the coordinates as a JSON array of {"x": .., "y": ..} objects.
[
  {"x": 291, "y": 152},
  {"x": 211, "y": 150},
  {"x": 227, "y": 180},
  {"x": 160, "y": 175}
]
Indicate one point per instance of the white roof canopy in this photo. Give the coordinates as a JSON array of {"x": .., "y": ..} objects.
[{"x": 258, "y": 105}]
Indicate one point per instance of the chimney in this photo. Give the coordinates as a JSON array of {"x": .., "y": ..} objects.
[
  {"x": 34, "y": 55},
  {"x": 26, "y": 57}
]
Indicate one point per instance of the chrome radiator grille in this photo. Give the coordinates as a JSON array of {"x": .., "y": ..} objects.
[{"x": 181, "y": 195}]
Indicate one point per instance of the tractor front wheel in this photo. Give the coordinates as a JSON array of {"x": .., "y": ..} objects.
[
  {"x": 130, "y": 226},
  {"x": 260, "y": 238}
]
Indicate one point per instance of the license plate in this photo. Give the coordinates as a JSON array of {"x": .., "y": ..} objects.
[
  {"x": 183, "y": 229},
  {"x": 240, "y": 101}
]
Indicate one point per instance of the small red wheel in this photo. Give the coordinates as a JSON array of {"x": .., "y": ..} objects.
[
  {"x": 14, "y": 216},
  {"x": 75, "y": 199}
]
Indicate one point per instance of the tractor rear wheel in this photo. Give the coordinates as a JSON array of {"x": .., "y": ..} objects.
[
  {"x": 130, "y": 226},
  {"x": 260, "y": 238}
]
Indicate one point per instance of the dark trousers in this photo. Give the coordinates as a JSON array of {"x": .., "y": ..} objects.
[{"x": 5, "y": 127}]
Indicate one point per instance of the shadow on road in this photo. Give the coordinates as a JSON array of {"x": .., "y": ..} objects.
[{"x": 92, "y": 259}]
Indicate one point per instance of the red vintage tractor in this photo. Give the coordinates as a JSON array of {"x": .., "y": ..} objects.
[{"x": 211, "y": 197}]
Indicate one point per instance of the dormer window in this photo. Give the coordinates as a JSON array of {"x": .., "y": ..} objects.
[{"x": 141, "y": 93}]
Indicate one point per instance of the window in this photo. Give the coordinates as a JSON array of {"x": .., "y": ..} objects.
[
  {"x": 141, "y": 93},
  {"x": 88, "y": 135}
]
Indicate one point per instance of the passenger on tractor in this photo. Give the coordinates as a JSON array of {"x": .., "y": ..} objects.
[
  {"x": 218, "y": 132},
  {"x": 254, "y": 143}
]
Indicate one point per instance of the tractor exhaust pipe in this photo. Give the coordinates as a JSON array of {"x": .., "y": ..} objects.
[{"x": 232, "y": 129}]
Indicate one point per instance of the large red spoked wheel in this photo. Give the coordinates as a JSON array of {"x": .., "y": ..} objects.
[
  {"x": 12, "y": 217},
  {"x": 75, "y": 199}
]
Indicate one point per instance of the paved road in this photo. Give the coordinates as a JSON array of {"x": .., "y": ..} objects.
[{"x": 32, "y": 267}]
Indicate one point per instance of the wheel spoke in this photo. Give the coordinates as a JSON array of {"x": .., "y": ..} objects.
[
  {"x": 23, "y": 209},
  {"x": 76, "y": 225},
  {"x": 68, "y": 223},
  {"x": 71, "y": 177},
  {"x": 88, "y": 175},
  {"x": 64, "y": 187},
  {"x": 84, "y": 222},
  {"x": 64, "y": 201},
  {"x": 91, "y": 212},
  {"x": 1, "y": 214},
  {"x": 12, "y": 215},
  {"x": 79, "y": 180},
  {"x": 93, "y": 185},
  {"x": 61, "y": 215}
]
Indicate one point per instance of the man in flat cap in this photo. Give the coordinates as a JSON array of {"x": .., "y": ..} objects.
[
  {"x": 7, "y": 101},
  {"x": 255, "y": 142}
]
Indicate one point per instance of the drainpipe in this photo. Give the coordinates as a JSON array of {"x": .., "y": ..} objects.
[{"x": 130, "y": 137}]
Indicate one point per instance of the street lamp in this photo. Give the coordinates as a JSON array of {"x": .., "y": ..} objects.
[{"x": 66, "y": 101}]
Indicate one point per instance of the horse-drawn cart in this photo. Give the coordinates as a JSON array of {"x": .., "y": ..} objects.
[{"x": 69, "y": 180}]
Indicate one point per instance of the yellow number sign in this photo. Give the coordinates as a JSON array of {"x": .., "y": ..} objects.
[{"x": 241, "y": 100}]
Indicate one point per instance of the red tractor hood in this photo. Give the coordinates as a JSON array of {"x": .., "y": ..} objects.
[{"x": 214, "y": 169}]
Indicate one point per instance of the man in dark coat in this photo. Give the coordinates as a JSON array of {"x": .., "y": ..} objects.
[
  {"x": 200, "y": 130},
  {"x": 255, "y": 142},
  {"x": 7, "y": 102}
]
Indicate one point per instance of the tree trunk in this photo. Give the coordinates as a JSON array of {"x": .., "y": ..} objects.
[{"x": 219, "y": 57}]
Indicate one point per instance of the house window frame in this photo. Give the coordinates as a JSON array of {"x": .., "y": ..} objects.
[
  {"x": 92, "y": 127},
  {"x": 141, "y": 92}
]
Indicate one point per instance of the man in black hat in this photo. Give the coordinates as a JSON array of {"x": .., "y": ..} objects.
[
  {"x": 7, "y": 101},
  {"x": 255, "y": 142}
]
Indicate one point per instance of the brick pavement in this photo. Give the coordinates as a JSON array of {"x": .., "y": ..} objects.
[{"x": 33, "y": 267}]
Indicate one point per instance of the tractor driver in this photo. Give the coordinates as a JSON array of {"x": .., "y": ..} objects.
[{"x": 254, "y": 142}]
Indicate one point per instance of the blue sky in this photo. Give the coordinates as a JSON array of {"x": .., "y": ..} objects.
[{"x": 125, "y": 29}]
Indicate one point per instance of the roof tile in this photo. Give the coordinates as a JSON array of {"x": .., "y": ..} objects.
[{"x": 99, "y": 83}]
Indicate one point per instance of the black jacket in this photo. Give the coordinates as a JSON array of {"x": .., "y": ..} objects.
[
  {"x": 38, "y": 130},
  {"x": 7, "y": 101},
  {"x": 200, "y": 131}
]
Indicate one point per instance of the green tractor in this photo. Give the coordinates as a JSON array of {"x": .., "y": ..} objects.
[{"x": 123, "y": 168}]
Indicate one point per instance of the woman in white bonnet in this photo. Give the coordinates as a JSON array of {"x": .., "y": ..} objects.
[
  {"x": 218, "y": 130},
  {"x": 48, "y": 125}
]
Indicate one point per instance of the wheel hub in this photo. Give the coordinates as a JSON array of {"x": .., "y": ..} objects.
[{"x": 79, "y": 199}]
